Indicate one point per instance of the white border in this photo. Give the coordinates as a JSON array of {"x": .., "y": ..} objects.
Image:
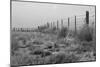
[{"x": 5, "y": 33}]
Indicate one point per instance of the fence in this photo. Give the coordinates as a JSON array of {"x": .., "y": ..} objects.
[
  {"x": 72, "y": 23},
  {"x": 75, "y": 22}
]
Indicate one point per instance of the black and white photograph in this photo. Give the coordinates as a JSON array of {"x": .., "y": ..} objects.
[{"x": 45, "y": 33}]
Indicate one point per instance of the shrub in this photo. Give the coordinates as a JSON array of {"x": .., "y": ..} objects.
[
  {"x": 62, "y": 58},
  {"x": 63, "y": 32},
  {"x": 22, "y": 60},
  {"x": 14, "y": 46},
  {"x": 85, "y": 47},
  {"x": 38, "y": 42},
  {"x": 85, "y": 34}
]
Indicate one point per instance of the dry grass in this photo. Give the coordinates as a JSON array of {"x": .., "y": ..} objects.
[{"x": 33, "y": 48}]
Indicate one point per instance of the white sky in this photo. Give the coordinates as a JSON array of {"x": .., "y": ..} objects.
[{"x": 27, "y": 14}]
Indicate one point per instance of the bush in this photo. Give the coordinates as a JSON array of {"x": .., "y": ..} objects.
[
  {"x": 63, "y": 32},
  {"x": 22, "y": 60},
  {"x": 85, "y": 34},
  {"x": 14, "y": 46},
  {"x": 85, "y": 47},
  {"x": 38, "y": 42},
  {"x": 62, "y": 58}
]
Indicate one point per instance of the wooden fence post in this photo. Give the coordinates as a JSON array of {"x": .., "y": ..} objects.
[
  {"x": 47, "y": 24},
  {"x": 61, "y": 23},
  {"x": 87, "y": 17},
  {"x": 51, "y": 24},
  {"x": 75, "y": 26},
  {"x": 68, "y": 23},
  {"x": 57, "y": 24}
]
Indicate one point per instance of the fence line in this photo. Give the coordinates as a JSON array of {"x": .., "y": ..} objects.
[{"x": 78, "y": 20}]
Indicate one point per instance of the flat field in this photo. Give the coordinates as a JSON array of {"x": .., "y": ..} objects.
[{"x": 38, "y": 48}]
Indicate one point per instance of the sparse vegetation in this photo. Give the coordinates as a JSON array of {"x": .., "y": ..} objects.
[
  {"x": 63, "y": 33},
  {"x": 55, "y": 46},
  {"x": 86, "y": 33}
]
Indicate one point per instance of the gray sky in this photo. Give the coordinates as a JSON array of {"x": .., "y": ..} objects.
[{"x": 26, "y": 14}]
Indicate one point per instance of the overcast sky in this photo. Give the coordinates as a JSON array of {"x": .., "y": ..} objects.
[{"x": 27, "y": 14}]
